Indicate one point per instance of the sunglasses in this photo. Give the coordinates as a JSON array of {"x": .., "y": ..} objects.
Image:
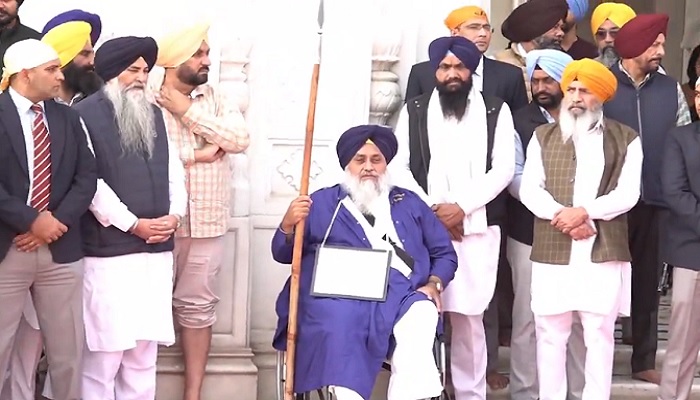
[{"x": 603, "y": 34}]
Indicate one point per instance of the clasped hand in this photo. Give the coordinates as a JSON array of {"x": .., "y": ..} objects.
[
  {"x": 44, "y": 230},
  {"x": 452, "y": 217},
  {"x": 156, "y": 230},
  {"x": 573, "y": 221}
]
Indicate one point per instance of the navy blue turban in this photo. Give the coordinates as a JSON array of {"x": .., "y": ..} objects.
[
  {"x": 116, "y": 55},
  {"x": 354, "y": 138},
  {"x": 463, "y": 49},
  {"x": 77, "y": 15}
]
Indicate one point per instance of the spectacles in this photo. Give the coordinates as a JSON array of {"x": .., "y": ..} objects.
[
  {"x": 603, "y": 34},
  {"x": 478, "y": 27}
]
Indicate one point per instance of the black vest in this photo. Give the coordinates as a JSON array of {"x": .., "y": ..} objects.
[
  {"x": 651, "y": 111},
  {"x": 419, "y": 159},
  {"x": 520, "y": 219},
  {"x": 142, "y": 183}
]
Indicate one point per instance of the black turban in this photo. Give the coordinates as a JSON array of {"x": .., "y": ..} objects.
[
  {"x": 116, "y": 55},
  {"x": 463, "y": 49},
  {"x": 533, "y": 19},
  {"x": 354, "y": 138}
]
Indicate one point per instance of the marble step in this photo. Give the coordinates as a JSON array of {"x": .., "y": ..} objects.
[{"x": 623, "y": 388}]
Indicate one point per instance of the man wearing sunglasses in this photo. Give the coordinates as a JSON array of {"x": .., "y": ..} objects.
[{"x": 606, "y": 21}]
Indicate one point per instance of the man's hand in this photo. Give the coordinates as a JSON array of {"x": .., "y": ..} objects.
[
  {"x": 298, "y": 209},
  {"x": 583, "y": 231},
  {"x": 209, "y": 153},
  {"x": 569, "y": 218},
  {"x": 456, "y": 232},
  {"x": 173, "y": 101},
  {"x": 433, "y": 294},
  {"x": 27, "y": 242},
  {"x": 165, "y": 226},
  {"x": 47, "y": 228},
  {"x": 449, "y": 214},
  {"x": 144, "y": 229}
]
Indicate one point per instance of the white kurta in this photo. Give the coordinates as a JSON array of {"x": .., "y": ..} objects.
[
  {"x": 129, "y": 298},
  {"x": 582, "y": 285},
  {"x": 458, "y": 175}
]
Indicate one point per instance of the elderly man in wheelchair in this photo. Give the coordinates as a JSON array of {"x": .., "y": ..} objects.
[{"x": 375, "y": 260}]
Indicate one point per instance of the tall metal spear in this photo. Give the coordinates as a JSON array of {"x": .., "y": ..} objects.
[{"x": 299, "y": 229}]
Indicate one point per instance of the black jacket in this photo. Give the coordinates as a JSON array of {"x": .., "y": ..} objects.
[
  {"x": 10, "y": 36},
  {"x": 73, "y": 178},
  {"x": 680, "y": 184},
  {"x": 501, "y": 80}
]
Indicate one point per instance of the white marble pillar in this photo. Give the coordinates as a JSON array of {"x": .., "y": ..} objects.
[{"x": 385, "y": 90}]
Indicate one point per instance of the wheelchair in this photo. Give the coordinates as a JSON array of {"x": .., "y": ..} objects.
[{"x": 324, "y": 393}]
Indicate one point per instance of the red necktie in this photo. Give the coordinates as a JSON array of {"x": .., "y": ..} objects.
[{"x": 41, "y": 188}]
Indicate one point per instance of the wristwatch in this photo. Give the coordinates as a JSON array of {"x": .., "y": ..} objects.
[{"x": 437, "y": 283}]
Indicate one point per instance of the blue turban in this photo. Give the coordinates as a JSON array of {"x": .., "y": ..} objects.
[
  {"x": 354, "y": 138},
  {"x": 553, "y": 62},
  {"x": 116, "y": 55},
  {"x": 579, "y": 8},
  {"x": 77, "y": 15},
  {"x": 463, "y": 49}
]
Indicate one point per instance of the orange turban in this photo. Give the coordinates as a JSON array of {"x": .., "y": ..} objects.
[
  {"x": 461, "y": 15},
  {"x": 618, "y": 13},
  {"x": 595, "y": 76}
]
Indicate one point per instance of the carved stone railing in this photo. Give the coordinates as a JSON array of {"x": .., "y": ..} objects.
[{"x": 385, "y": 90}]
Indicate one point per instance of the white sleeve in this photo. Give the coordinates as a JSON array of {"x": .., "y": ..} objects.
[
  {"x": 400, "y": 168},
  {"x": 532, "y": 186}
]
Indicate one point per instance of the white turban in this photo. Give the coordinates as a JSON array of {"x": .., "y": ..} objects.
[{"x": 25, "y": 54}]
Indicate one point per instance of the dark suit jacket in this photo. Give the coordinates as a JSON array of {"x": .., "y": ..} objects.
[
  {"x": 501, "y": 80},
  {"x": 73, "y": 178},
  {"x": 520, "y": 219},
  {"x": 680, "y": 185}
]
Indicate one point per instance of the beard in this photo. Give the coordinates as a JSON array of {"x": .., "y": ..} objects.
[
  {"x": 544, "y": 42},
  {"x": 453, "y": 101},
  {"x": 135, "y": 118},
  {"x": 574, "y": 125},
  {"x": 364, "y": 192},
  {"x": 6, "y": 18},
  {"x": 190, "y": 77},
  {"x": 546, "y": 100},
  {"x": 81, "y": 79},
  {"x": 608, "y": 56}
]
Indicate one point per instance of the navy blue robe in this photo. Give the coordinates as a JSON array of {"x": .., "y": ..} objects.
[{"x": 344, "y": 342}]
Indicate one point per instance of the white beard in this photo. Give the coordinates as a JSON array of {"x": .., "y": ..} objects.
[
  {"x": 573, "y": 126},
  {"x": 364, "y": 192},
  {"x": 135, "y": 118}
]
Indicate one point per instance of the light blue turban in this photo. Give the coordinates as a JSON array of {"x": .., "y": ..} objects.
[
  {"x": 579, "y": 8},
  {"x": 553, "y": 62}
]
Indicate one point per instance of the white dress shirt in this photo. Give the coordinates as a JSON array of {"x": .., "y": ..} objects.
[
  {"x": 582, "y": 285},
  {"x": 26, "y": 118}
]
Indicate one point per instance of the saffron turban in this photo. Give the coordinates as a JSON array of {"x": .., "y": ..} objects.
[
  {"x": 116, "y": 55},
  {"x": 463, "y": 49},
  {"x": 25, "y": 54},
  {"x": 579, "y": 8},
  {"x": 595, "y": 76},
  {"x": 639, "y": 34},
  {"x": 354, "y": 138},
  {"x": 533, "y": 19},
  {"x": 553, "y": 62},
  {"x": 461, "y": 15},
  {"x": 618, "y": 13},
  {"x": 77, "y": 15},
  {"x": 68, "y": 39},
  {"x": 178, "y": 47}
]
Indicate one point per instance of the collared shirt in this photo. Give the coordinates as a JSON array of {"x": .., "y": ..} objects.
[
  {"x": 683, "y": 114},
  {"x": 478, "y": 75},
  {"x": 26, "y": 118},
  {"x": 211, "y": 118},
  {"x": 76, "y": 98}
]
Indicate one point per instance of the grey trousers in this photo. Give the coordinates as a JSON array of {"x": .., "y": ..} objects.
[
  {"x": 681, "y": 358},
  {"x": 57, "y": 291}
]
